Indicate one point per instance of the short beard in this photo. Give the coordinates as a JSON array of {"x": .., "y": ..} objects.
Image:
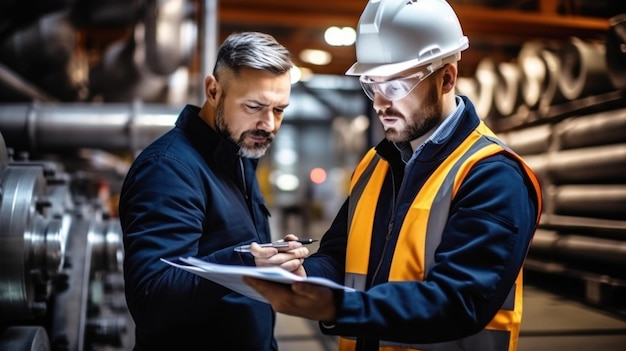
[
  {"x": 421, "y": 122},
  {"x": 257, "y": 150}
]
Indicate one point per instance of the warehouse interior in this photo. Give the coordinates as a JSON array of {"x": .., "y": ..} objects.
[{"x": 86, "y": 84}]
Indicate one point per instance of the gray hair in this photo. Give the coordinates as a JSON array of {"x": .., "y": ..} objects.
[{"x": 252, "y": 50}]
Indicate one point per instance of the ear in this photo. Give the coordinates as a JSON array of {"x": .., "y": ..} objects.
[
  {"x": 449, "y": 78},
  {"x": 211, "y": 89}
]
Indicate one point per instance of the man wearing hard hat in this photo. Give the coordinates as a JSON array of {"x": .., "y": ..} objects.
[{"x": 440, "y": 214}]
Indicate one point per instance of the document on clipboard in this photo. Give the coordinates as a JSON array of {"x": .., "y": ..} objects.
[{"x": 231, "y": 276}]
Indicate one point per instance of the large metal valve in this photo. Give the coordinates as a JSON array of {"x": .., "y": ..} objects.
[
  {"x": 59, "y": 254},
  {"x": 31, "y": 244}
]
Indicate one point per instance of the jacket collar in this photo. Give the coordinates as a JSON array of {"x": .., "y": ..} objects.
[
  {"x": 213, "y": 147},
  {"x": 468, "y": 121}
]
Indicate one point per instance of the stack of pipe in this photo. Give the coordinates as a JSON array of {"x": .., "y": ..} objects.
[
  {"x": 570, "y": 127},
  {"x": 548, "y": 73},
  {"x": 581, "y": 162}
]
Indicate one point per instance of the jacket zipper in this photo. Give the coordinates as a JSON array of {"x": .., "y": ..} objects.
[
  {"x": 243, "y": 179},
  {"x": 389, "y": 226}
]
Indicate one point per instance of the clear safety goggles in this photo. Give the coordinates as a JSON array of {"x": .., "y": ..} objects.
[{"x": 396, "y": 89}]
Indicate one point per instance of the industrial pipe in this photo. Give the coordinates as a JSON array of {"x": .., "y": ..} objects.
[
  {"x": 551, "y": 95},
  {"x": 574, "y": 247},
  {"x": 507, "y": 94},
  {"x": 599, "y": 164},
  {"x": 168, "y": 39},
  {"x": 486, "y": 78},
  {"x": 600, "y": 128},
  {"x": 467, "y": 86},
  {"x": 534, "y": 75},
  {"x": 529, "y": 141},
  {"x": 596, "y": 201},
  {"x": 616, "y": 51},
  {"x": 61, "y": 127},
  {"x": 583, "y": 69}
]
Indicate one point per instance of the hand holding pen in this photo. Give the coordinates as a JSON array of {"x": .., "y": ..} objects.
[
  {"x": 276, "y": 244},
  {"x": 288, "y": 259}
]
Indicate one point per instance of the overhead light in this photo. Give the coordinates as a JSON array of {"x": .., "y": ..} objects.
[
  {"x": 287, "y": 182},
  {"x": 296, "y": 74},
  {"x": 286, "y": 157},
  {"x": 316, "y": 57},
  {"x": 317, "y": 175},
  {"x": 360, "y": 123},
  {"x": 305, "y": 74},
  {"x": 300, "y": 74},
  {"x": 336, "y": 36}
]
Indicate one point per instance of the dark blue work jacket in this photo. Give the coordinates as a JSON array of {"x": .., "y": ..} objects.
[
  {"x": 190, "y": 194},
  {"x": 487, "y": 233}
]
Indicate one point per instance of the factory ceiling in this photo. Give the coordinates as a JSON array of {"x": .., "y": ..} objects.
[
  {"x": 92, "y": 50},
  {"x": 494, "y": 28}
]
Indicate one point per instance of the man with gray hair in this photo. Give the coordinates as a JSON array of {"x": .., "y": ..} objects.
[{"x": 193, "y": 192}]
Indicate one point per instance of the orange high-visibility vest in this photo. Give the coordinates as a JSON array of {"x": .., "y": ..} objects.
[{"x": 421, "y": 233}]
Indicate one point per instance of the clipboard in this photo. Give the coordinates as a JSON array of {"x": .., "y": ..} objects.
[{"x": 231, "y": 276}]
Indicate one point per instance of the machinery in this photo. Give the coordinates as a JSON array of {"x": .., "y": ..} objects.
[{"x": 60, "y": 252}]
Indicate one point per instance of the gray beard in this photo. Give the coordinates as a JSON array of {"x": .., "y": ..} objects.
[{"x": 256, "y": 151}]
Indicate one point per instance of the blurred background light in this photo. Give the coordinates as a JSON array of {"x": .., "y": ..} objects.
[{"x": 336, "y": 36}]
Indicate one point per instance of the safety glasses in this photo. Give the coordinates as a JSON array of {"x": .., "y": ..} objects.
[{"x": 398, "y": 88}]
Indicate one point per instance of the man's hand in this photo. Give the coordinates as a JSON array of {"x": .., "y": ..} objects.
[
  {"x": 298, "y": 299},
  {"x": 289, "y": 258}
]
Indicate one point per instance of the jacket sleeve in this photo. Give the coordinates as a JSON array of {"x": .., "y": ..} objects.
[
  {"x": 162, "y": 213},
  {"x": 484, "y": 244}
]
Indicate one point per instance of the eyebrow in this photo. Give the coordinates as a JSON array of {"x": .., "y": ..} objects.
[{"x": 266, "y": 105}]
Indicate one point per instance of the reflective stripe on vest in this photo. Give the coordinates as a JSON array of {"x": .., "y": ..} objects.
[{"x": 420, "y": 235}]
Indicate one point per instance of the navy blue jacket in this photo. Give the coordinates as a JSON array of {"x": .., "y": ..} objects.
[
  {"x": 493, "y": 214},
  {"x": 187, "y": 195}
]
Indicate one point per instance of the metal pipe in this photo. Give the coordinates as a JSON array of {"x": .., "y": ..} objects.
[
  {"x": 551, "y": 95},
  {"x": 616, "y": 51},
  {"x": 599, "y": 201},
  {"x": 534, "y": 72},
  {"x": 528, "y": 141},
  {"x": 578, "y": 248},
  {"x": 596, "y": 129},
  {"x": 583, "y": 69},
  {"x": 507, "y": 94},
  {"x": 598, "y": 164},
  {"x": 486, "y": 78},
  {"x": 208, "y": 38},
  {"x": 467, "y": 86},
  {"x": 62, "y": 127},
  {"x": 165, "y": 45}
]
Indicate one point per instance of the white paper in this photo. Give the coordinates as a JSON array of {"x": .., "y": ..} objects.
[{"x": 231, "y": 276}]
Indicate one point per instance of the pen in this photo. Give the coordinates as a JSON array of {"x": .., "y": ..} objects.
[{"x": 276, "y": 244}]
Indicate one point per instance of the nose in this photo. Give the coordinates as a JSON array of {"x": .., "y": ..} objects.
[
  {"x": 380, "y": 102},
  {"x": 267, "y": 122}
]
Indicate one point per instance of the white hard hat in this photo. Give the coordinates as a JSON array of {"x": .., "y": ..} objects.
[{"x": 395, "y": 35}]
